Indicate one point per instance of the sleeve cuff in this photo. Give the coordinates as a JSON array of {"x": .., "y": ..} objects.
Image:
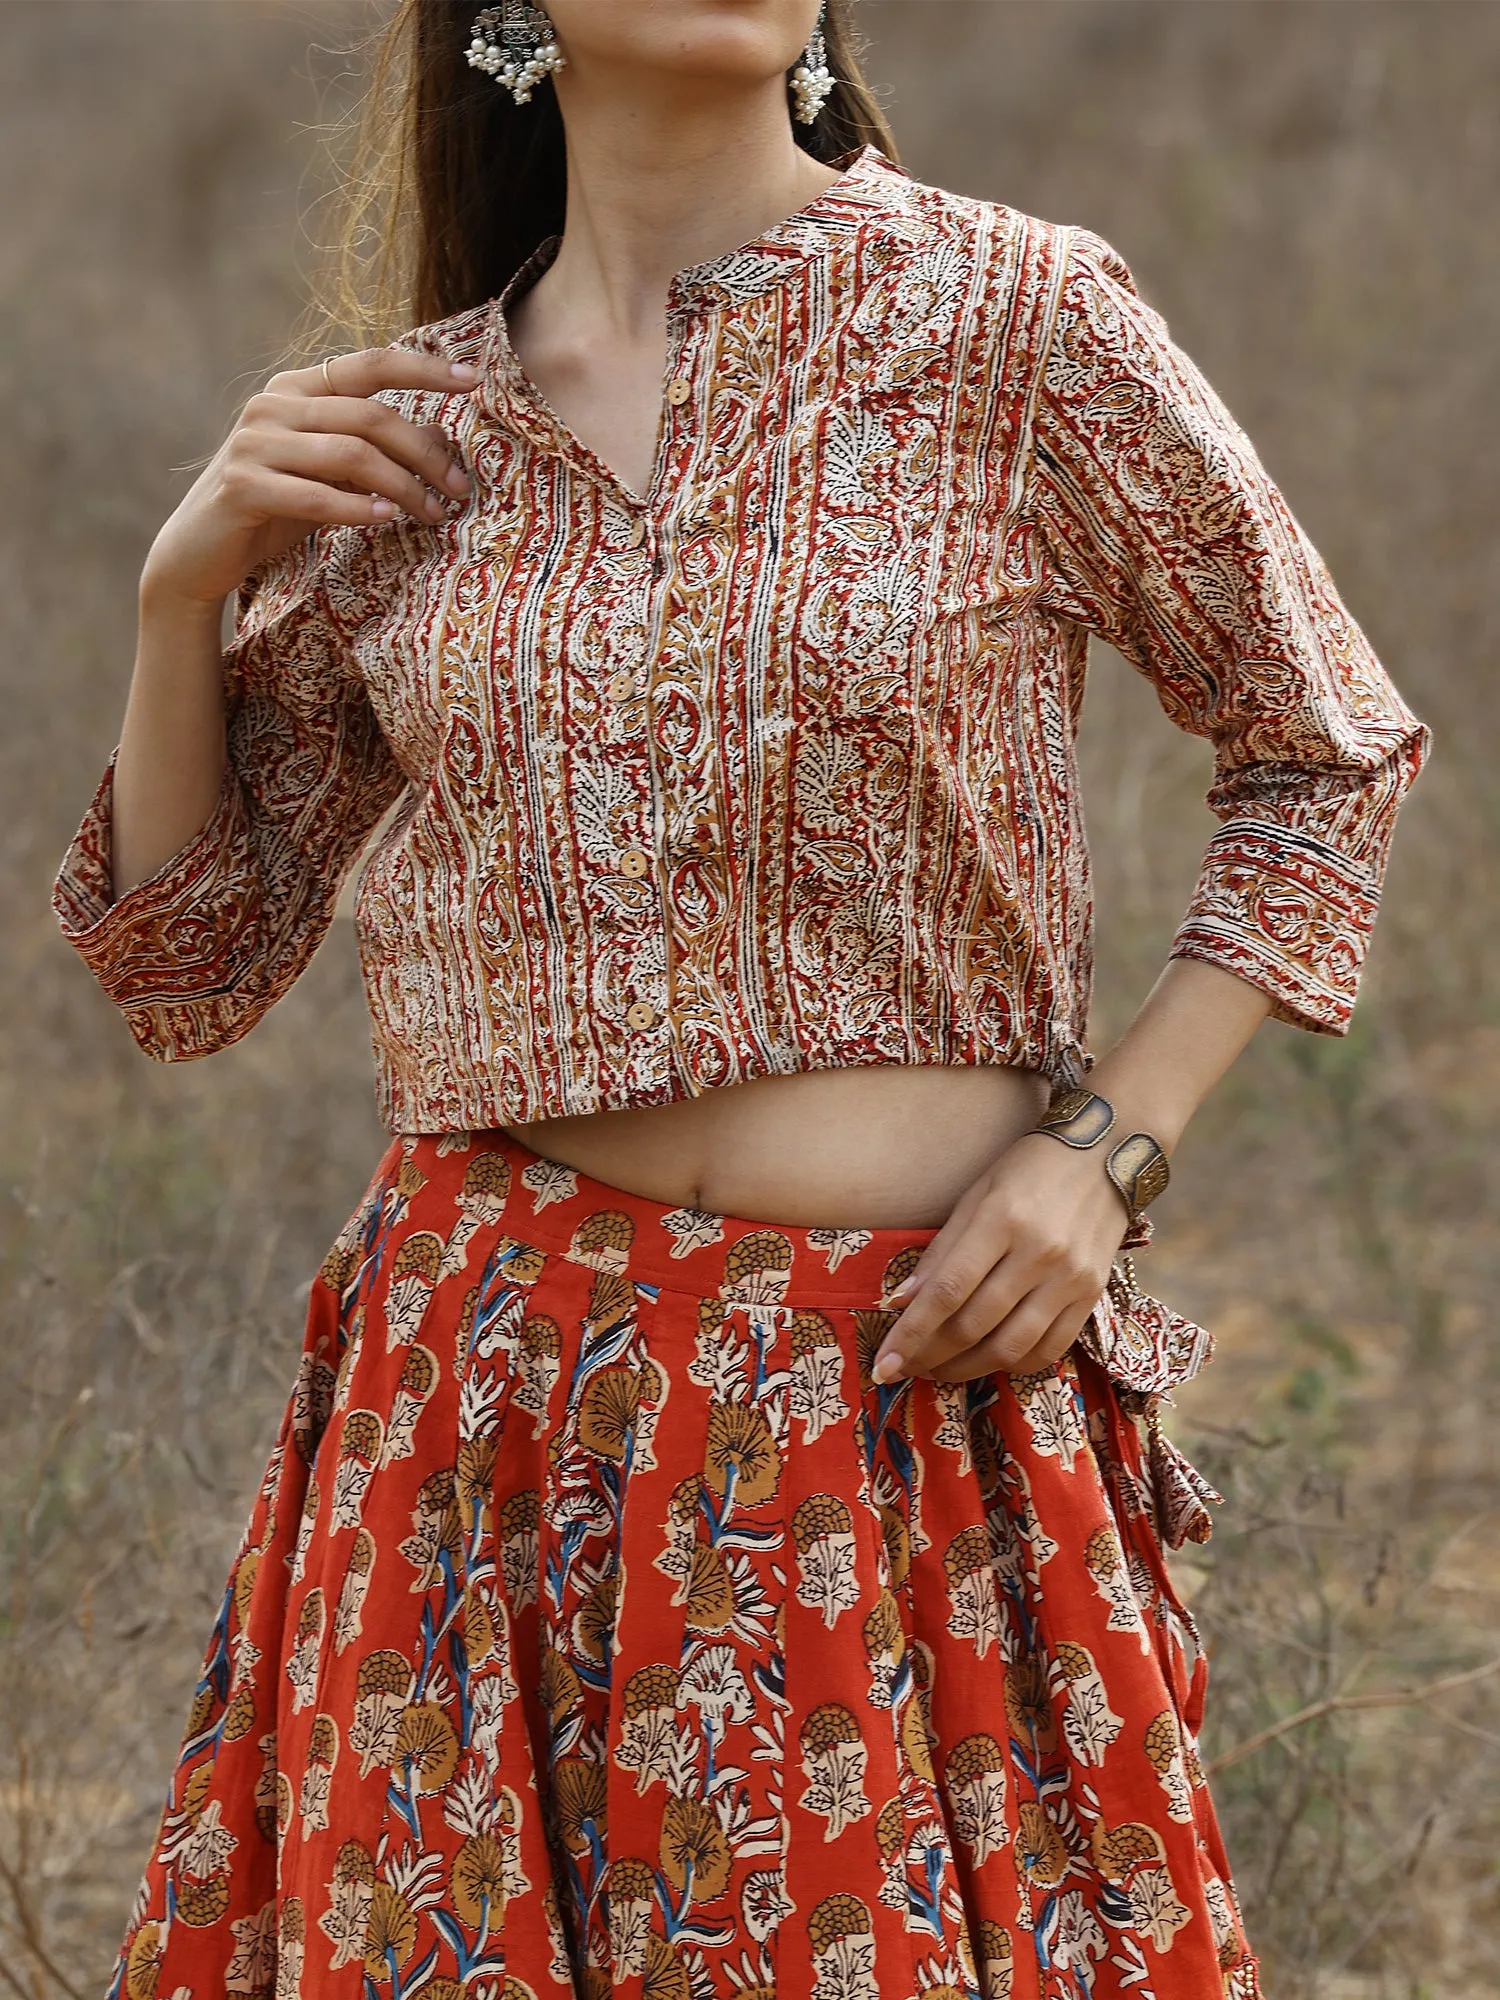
[
  {"x": 176, "y": 951},
  {"x": 1287, "y": 913}
]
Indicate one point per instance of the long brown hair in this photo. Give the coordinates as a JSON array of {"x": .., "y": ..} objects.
[{"x": 446, "y": 185}]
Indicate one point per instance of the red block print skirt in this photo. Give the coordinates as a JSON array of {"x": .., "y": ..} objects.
[{"x": 601, "y": 1628}]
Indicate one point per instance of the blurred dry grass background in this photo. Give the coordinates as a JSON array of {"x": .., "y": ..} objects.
[{"x": 1308, "y": 188}]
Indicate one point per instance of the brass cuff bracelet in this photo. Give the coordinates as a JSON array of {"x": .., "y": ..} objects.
[
  {"x": 1138, "y": 1167},
  {"x": 1080, "y": 1118}
]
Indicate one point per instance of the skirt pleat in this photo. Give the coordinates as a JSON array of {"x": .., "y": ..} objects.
[{"x": 601, "y": 1628}]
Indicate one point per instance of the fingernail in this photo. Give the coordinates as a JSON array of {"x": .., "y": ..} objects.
[
  {"x": 456, "y": 479},
  {"x": 463, "y": 371},
  {"x": 906, "y": 1287},
  {"x": 887, "y": 1368}
]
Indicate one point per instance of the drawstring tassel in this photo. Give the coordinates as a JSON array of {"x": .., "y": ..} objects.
[{"x": 1183, "y": 1495}]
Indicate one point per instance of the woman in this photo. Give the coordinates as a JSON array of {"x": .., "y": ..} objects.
[{"x": 715, "y": 1545}]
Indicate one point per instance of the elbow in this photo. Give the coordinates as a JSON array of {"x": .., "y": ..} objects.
[{"x": 1415, "y": 749}]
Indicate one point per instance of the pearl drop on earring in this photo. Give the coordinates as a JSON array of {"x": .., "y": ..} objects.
[{"x": 812, "y": 80}]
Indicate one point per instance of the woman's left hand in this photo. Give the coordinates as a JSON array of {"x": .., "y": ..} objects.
[{"x": 1013, "y": 1274}]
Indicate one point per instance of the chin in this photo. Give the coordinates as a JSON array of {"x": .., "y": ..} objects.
[{"x": 736, "y": 40}]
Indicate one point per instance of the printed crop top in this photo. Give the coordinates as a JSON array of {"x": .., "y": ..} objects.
[{"x": 772, "y": 769}]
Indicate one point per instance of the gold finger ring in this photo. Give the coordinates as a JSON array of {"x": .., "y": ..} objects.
[{"x": 327, "y": 379}]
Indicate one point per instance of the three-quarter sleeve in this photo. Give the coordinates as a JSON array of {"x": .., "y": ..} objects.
[
  {"x": 196, "y": 953},
  {"x": 1161, "y": 532}
]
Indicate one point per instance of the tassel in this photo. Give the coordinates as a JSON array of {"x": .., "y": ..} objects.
[{"x": 1183, "y": 1495}]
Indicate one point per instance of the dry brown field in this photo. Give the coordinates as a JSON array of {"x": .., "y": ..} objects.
[{"x": 1310, "y": 190}]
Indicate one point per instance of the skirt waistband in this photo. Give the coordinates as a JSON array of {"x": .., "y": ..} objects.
[{"x": 558, "y": 1209}]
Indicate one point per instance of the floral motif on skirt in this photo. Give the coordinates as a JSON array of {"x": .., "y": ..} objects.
[{"x": 601, "y": 1628}]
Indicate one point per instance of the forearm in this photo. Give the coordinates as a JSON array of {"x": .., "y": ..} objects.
[
  {"x": 1194, "y": 1023},
  {"x": 172, "y": 752},
  {"x": 1014, "y": 1272}
]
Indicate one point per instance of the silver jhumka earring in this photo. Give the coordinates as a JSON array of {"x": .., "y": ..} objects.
[
  {"x": 812, "y": 80},
  {"x": 517, "y": 45}
]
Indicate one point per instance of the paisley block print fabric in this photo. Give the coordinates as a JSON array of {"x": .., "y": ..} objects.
[
  {"x": 601, "y": 1628},
  {"x": 771, "y": 767}
]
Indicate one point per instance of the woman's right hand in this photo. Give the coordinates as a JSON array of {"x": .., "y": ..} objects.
[{"x": 300, "y": 455}]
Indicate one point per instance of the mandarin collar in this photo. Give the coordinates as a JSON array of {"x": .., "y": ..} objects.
[{"x": 870, "y": 182}]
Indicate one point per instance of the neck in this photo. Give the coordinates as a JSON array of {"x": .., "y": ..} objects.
[{"x": 656, "y": 184}]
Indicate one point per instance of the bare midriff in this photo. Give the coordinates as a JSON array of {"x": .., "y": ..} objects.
[{"x": 880, "y": 1146}]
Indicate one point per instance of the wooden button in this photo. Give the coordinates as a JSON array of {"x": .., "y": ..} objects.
[
  {"x": 634, "y": 861},
  {"x": 640, "y": 1013},
  {"x": 679, "y": 389},
  {"x": 621, "y": 687},
  {"x": 635, "y": 534}
]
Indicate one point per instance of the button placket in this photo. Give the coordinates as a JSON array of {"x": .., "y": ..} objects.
[
  {"x": 637, "y": 863},
  {"x": 641, "y": 1014}
]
